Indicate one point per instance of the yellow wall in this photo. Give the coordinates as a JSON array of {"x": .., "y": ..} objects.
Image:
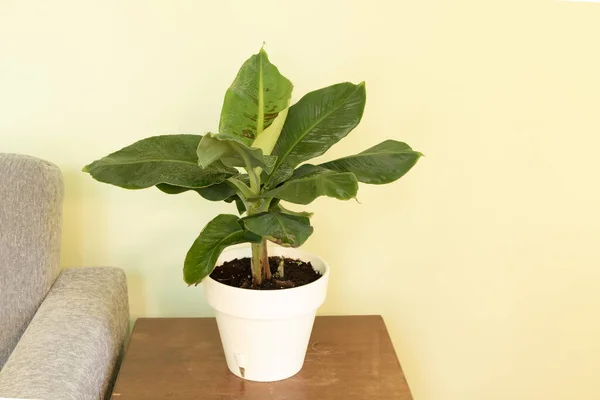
[{"x": 484, "y": 260}]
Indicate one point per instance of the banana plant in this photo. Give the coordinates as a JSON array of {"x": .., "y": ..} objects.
[{"x": 257, "y": 160}]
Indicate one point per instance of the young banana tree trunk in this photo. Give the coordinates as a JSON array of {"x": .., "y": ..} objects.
[{"x": 260, "y": 263}]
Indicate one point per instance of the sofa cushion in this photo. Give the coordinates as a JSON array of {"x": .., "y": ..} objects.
[{"x": 31, "y": 192}]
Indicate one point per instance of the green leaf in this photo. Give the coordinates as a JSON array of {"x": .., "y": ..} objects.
[
  {"x": 172, "y": 189},
  {"x": 255, "y": 98},
  {"x": 314, "y": 124},
  {"x": 169, "y": 159},
  {"x": 310, "y": 182},
  {"x": 223, "y": 231},
  {"x": 281, "y": 209},
  {"x": 232, "y": 151},
  {"x": 284, "y": 229},
  {"x": 217, "y": 192},
  {"x": 267, "y": 139},
  {"x": 383, "y": 163}
]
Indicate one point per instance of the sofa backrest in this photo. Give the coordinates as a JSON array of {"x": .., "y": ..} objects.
[{"x": 31, "y": 193}]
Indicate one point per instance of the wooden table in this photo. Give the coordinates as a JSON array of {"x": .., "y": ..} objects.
[{"x": 348, "y": 358}]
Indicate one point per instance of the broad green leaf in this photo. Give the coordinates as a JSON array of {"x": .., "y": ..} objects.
[
  {"x": 383, "y": 163},
  {"x": 169, "y": 159},
  {"x": 284, "y": 229},
  {"x": 232, "y": 151},
  {"x": 255, "y": 98},
  {"x": 217, "y": 192},
  {"x": 278, "y": 208},
  {"x": 172, "y": 189},
  {"x": 223, "y": 231},
  {"x": 307, "y": 170},
  {"x": 310, "y": 182},
  {"x": 314, "y": 124}
]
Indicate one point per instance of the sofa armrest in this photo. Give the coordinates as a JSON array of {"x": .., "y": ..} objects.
[{"x": 72, "y": 346}]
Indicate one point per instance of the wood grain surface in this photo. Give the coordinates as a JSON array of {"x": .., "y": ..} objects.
[{"x": 348, "y": 358}]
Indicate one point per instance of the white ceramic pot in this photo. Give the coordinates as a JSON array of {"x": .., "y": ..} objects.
[{"x": 265, "y": 333}]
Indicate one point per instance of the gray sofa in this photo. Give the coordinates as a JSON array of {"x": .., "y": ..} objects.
[{"x": 61, "y": 332}]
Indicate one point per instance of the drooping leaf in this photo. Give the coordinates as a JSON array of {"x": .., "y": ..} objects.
[
  {"x": 284, "y": 229},
  {"x": 383, "y": 163},
  {"x": 314, "y": 124},
  {"x": 172, "y": 189},
  {"x": 219, "y": 192},
  {"x": 255, "y": 98},
  {"x": 224, "y": 191},
  {"x": 169, "y": 159},
  {"x": 278, "y": 208},
  {"x": 223, "y": 231},
  {"x": 216, "y": 192},
  {"x": 232, "y": 152},
  {"x": 311, "y": 181}
]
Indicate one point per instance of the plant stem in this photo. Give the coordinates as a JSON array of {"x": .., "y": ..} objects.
[
  {"x": 260, "y": 258},
  {"x": 257, "y": 273},
  {"x": 252, "y": 174},
  {"x": 280, "y": 269},
  {"x": 264, "y": 259},
  {"x": 243, "y": 191},
  {"x": 256, "y": 266},
  {"x": 254, "y": 181}
]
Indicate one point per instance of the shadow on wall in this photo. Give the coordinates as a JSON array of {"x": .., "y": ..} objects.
[{"x": 85, "y": 234}]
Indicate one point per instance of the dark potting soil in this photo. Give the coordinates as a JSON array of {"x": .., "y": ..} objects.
[{"x": 237, "y": 273}]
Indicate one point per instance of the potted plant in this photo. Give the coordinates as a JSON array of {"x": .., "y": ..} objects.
[{"x": 257, "y": 161}]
